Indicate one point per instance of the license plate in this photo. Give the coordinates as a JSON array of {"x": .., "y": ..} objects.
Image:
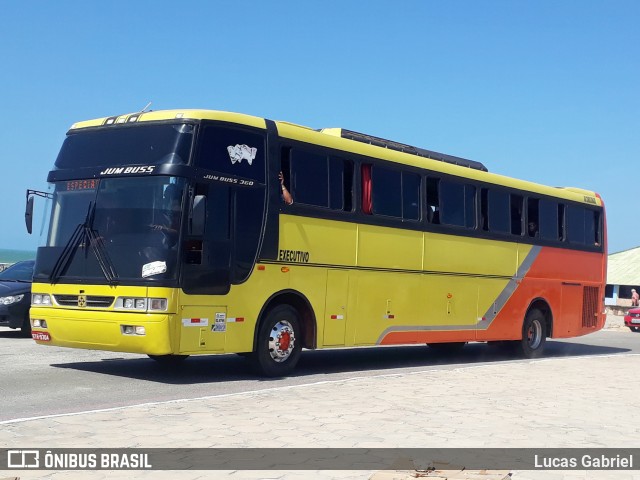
[
  {"x": 45, "y": 337},
  {"x": 635, "y": 320}
]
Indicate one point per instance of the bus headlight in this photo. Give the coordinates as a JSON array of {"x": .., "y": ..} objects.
[
  {"x": 132, "y": 330},
  {"x": 40, "y": 299},
  {"x": 142, "y": 304},
  {"x": 158, "y": 304}
]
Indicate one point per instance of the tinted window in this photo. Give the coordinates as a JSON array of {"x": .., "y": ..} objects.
[
  {"x": 386, "y": 190},
  {"x": 310, "y": 178},
  {"x": 130, "y": 145},
  {"x": 340, "y": 184},
  {"x": 499, "y": 211},
  {"x": 582, "y": 225},
  {"x": 548, "y": 214},
  {"x": 593, "y": 227},
  {"x": 410, "y": 196},
  {"x": 231, "y": 151},
  {"x": 457, "y": 205},
  {"x": 248, "y": 225},
  {"x": 517, "y": 216},
  {"x": 533, "y": 218},
  {"x": 433, "y": 200},
  {"x": 575, "y": 225}
]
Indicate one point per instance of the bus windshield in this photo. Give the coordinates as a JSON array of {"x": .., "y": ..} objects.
[
  {"x": 135, "y": 220},
  {"x": 128, "y": 145}
]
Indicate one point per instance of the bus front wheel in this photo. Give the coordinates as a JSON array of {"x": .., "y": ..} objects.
[
  {"x": 279, "y": 342},
  {"x": 534, "y": 334}
]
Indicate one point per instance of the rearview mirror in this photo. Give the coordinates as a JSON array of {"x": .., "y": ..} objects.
[{"x": 28, "y": 213}]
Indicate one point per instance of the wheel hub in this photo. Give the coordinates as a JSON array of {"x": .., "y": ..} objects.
[
  {"x": 281, "y": 341},
  {"x": 534, "y": 334}
]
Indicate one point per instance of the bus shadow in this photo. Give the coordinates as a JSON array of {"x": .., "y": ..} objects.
[
  {"x": 17, "y": 334},
  {"x": 212, "y": 369}
]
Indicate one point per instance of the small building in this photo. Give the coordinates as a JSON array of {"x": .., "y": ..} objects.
[{"x": 623, "y": 274}]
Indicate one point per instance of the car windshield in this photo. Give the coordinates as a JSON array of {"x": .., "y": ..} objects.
[
  {"x": 133, "y": 224},
  {"x": 18, "y": 272}
]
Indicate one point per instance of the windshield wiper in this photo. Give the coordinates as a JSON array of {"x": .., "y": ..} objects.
[
  {"x": 67, "y": 254},
  {"x": 84, "y": 234},
  {"x": 99, "y": 250}
]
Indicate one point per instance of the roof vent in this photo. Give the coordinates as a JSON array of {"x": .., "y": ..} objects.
[{"x": 401, "y": 147}]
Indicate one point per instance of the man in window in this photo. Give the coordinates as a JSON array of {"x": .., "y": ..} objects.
[{"x": 286, "y": 196}]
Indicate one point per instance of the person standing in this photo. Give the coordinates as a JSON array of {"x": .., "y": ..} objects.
[{"x": 635, "y": 298}]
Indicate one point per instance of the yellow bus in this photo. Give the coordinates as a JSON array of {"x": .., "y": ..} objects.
[{"x": 186, "y": 232}]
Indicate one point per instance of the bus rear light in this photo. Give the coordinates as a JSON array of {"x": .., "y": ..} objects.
[
  {"x": 38, "y": 323},
  {"x": 133, "y": 330}
]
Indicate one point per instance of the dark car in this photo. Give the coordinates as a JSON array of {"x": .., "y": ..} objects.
[
  {"x": 15, "y": 296},
  {"x": 632, "y": 319}
]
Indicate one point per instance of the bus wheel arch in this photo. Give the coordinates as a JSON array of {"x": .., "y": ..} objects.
[
  {"x": 543, "y": 306},
  {"x": 536, "y": 327},
  {"x": 305, "y": 312},
  {"x": 286, "y": 325}
]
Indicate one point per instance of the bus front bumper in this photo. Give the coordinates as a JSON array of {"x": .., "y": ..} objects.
[{"x": 96, "y": 330}]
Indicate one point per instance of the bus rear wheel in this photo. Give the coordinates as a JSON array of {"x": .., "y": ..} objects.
[
  {"x": 279, "y": 342},
  {"x": 534, "y": 334}
]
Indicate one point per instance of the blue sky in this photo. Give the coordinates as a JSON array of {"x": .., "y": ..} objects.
[{"x": 541, "y": 90}]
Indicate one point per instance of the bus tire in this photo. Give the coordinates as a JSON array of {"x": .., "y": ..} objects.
[
  {"x": 168, "y": 360},
  {"x": 534, "y": 334},
  {"x": 279, "y": 342}
]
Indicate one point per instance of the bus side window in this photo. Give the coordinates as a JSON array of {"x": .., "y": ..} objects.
[
  {"x": 367, "y": 203},
  {"x": 411, "y": 187},
  {"x": 562, "y": 234},
  {"x": 517, "y": 217},
  {"x": 386, "y": 191},
  {"x": 433, "y": 200},
  {"x": 484, "y": 209},
  {"x": 457, "y": 204},
  {"x": 533, "y": 220},
  {"x": 548, "y": 216},
  {"x": 596, "y": 232},
  {"x": 285, "y": 167},
  {"x": 340, "y": 184},
  {"x": 347, "y": 186}
]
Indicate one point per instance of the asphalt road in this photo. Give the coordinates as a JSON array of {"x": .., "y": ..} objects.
[{"x": 39, "y": 381}]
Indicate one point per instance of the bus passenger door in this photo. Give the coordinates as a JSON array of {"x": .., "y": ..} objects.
[{"x": 335, "y": 311}]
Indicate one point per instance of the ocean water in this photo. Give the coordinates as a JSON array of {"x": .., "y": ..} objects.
[{"x": 12, "y": 256}]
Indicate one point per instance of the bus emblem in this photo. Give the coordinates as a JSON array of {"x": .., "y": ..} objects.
[
  {"x": 238, "y": 153},
  {"x": 82, "y": 301}
]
